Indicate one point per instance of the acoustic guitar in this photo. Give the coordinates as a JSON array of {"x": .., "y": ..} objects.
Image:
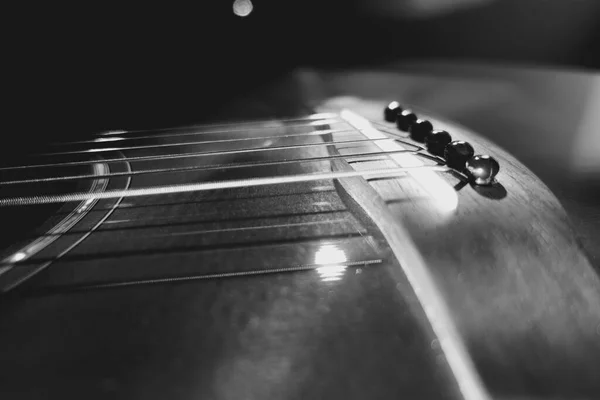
[{"x": 353, "y": 248}]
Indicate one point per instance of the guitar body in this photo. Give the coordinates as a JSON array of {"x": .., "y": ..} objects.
[{"x": 314, "y": 252}]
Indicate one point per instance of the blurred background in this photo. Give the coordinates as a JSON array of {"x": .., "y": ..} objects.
[{"x": 97, "y": 66}]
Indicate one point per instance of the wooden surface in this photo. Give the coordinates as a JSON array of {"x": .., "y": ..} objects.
[
  {"x": 523, "y": 295},
  {"x": 545, "y": 117},
  {"x": 523, "y": 298}
]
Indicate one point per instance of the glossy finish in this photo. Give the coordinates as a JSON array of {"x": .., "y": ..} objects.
[
  {"x": 391, "y": 111},
  {"x": 420, "y": 129},
  {"x": 522, "y": 292},
  {"x": 482, "y": 169},
  {"x": 457, "y": 153},
  {"x": 253, "y": 292},
  {"x": 436, "y": 142},
  {"x": 508, "y": 265},
  {"x": 23, "y": 251},
  {"x": 554, "y": 106},
  {"x": 405, "y": 120}
]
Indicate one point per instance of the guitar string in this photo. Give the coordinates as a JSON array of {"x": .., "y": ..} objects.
[
  {"x": 197, "y": 143},
  {"x": 248, "y": 242},
  {"x": 202, "y": 154},
  {"x": 349, "y": 156},
  {"x": 257, "y": 227},
  {"x": 190, "y": 219},
  {"x": 209, "y": 167},
  {"x": 210, "y": 200},
  {"x": 396, "y": 135},
  {"x": 71, "y": 217},
  {"x": 268, "y": 123},
  {"x": 312, "y": 133},
  {"x": 203, "y": 142},
  {"x": 103, "y": 139},
  {"x": 357, "y": 231},
  {"x": 233, "y": 165},
  {"x": 215, "y": 185},
  {"x": 195, "y": 277},
  {"x": 184, "y": 277},
  {"x": 87, "y": 234}
]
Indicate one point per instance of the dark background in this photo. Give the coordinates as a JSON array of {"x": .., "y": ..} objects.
[{"x": 76, "y": 70}]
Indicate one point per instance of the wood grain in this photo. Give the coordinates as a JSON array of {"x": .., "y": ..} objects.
[
  {"x": 523, "y": 295},
  {"x": 511, "y": 278}
]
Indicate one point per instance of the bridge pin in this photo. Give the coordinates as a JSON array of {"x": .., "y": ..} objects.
[{"x": 482, "y": 169}]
